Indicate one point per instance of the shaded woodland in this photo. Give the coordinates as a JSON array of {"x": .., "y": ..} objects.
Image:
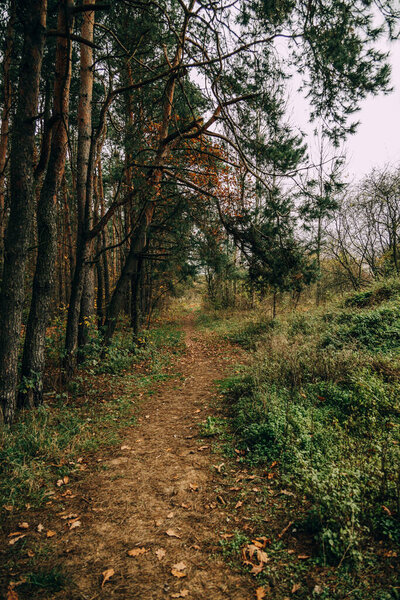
[{"x": 142, "y": 142}]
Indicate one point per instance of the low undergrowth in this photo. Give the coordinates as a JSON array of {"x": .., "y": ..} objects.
[
  {"x": 45, "y": 444},
  {"x": 321, "y": 399}
]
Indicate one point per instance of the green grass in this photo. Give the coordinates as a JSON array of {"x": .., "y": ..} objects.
[
  {"x": 44, "y": 444},
  {"x": 322, "y": 399}
]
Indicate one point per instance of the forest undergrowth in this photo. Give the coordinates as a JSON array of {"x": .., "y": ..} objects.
[{"x": 318, "y": 408}]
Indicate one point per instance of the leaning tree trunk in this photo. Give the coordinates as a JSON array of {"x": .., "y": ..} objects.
[
  {"x": 83, "y": 154},
  {"x": 33, "y": 360},
  {"x": 33, "y": 16}
]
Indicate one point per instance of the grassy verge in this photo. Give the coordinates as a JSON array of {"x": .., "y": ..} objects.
[
  {"x": 46, "y": 444},
  {"x": 320, "y": 402}
]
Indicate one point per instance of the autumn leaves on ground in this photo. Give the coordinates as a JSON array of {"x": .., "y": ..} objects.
[
  {"x": 143, "y": 520},
  {"x": 170, "y": 507}
]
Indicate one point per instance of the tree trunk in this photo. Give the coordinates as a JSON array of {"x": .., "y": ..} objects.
[
  {"x": 83, "y": 202},
  {"x": 33, "y": 16},
  {"x": 5, "y": 116},
  {"x": 33, "y": 360}
]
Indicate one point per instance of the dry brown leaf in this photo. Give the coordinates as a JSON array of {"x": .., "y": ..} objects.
[
  {"x": 23, "y": 525},
  {"x": 179, "y": 566},
  {"x": 202, "y": 448},
  {"x": 257, "y": 569},
  {"x": 11, "y": 594},
  {"x": 303, "y": 556},
  {"x": 60, "y": 482},
  {"x": 260, "y": 593},
  {"x": 194, "y": 487},
  {"x": 66, "y": 479},
  {"x": 287, "y": 493},
  {"x": 181, "y": 594},
  {"x": 50, "y": 533},
  {"x": 68, "y": 516},
  {"x": 238, "y": 504},
  {"x": 8, "y": 507},
  {"x": 126, "y": 447},
  {"x": 185, "y": 505},
  {"x": 74, "y": 524},
  {"x": 390, "y": 554},
  {"x": 137, "y": 551},
  {"x": 170, "y": 515},
  {"x": 226, "y": 536},
  {"x": 16, "y": 538},
  {"x": 107, "y": 576},
  {"x": 197, "y": 411},
  {"x": 178, "y": 574},
  {"x": 296, "y": 588},
  {"x": 172, "y": 533},
  {"x": 160, "y": 553},
  {"x": 219, "y": 467},
  {"x": 40, "y": 528},
  {"x": 387, "y": 511},
  {"x": 258, "y": 544},
  {"x": 30, "y": 553},
  {"x": 158, "y": 522}
]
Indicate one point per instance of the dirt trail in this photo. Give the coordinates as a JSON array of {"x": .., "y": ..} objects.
[{"x": 164, "y": 481}]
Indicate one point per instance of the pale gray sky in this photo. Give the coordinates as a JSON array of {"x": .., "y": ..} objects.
[{"x": 377, "y": 141}]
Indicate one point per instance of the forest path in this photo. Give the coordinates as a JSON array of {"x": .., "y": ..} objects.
[{"x": 162, "y": 480}]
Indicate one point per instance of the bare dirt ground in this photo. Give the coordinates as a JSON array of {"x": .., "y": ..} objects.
[{"x": 159, "y": 497}]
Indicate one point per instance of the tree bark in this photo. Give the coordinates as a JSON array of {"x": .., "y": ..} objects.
[
  {"x": 5, "y": 116},
  {"x": 33, "y": 16},
  {"x": 83, "y": 156},
  {"x": 33, "y": 360}
]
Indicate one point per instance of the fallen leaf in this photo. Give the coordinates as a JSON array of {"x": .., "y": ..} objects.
[
  {"x": 387, "y": 511},
  {"x": 287, "y": 493},
  {"x": 185, "y": 505},
  {"x": 23, "y": 525},
  {"x": 296, "y": 587},
  {"x": 202, "y": 448},
  {"x": 8, "y": 507},
  {"x": 172, "y": 533},
  {"x": 257, "y": 569},
  {"x": 60, "y": 482},
  {"x": 11, "y": 594},
  {"x": 137, "y": 551},
  {"x": 390, "y": 554},
  {"x": 197, "y": 411},
  {"x": 107, "y": 576},
  {"x": 160, "y": 553},
  {"x": 30, "y": 553},
  {"x": 50, "y": 533},
  {"x": 238, "y": 504},
  {"x": 16, "y": 538},
  {"x": 303, "y": 556},
  {"x": 219, "y": 467},
  {"x": 273, "y": 464},
  {"x": 178, "y": 574},
  {"x": 194, "y": 487},
  {"x": 170, "y": 515},
  {"x": 260, "y": 593},
  {"x": 68, "y": 515},
  {"x": 158, "y": 522},
  {"x": 40, "y": 528},
  {"x": 196, "y": 547},
  {"x": 126, "y": 447},
  {"x": 181, "y": 594},
  {"x": 270, "y": 475},
  {"x": 179, "y": 566},
  {"x": 75, "y": 524},
  {"x": 226, "y": 536},
  {"x": 66, "y": 479}
]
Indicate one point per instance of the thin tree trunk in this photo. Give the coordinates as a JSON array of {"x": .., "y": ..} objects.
[
  {"x": 33, "y": 16},
  {"x": 83, "y": 157},
  {"x": 33, "y": 360}
]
